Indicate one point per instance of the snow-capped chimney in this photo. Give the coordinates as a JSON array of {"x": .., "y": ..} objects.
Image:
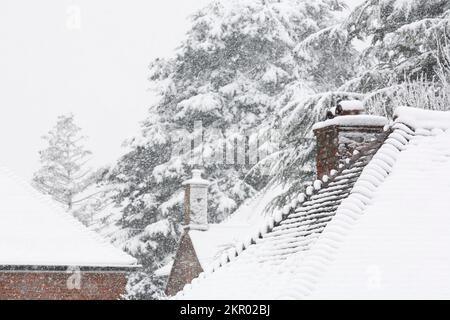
[
  {"x": 344, "y": 130},
  {"x": 196, "y": 201}
]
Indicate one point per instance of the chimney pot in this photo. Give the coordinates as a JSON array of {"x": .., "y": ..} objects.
[{"x": 196, "y": 201}]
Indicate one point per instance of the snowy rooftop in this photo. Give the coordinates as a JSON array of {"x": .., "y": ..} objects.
[
  {"x": 388, "y": 237},
  {"x": 210, "y": 245},
  {"x": 424, "y": 119},
  {"x": 34, "y": 232},
  {"x": 398, "y": 246}
]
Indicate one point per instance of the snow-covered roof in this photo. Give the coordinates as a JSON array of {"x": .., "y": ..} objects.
[
  {"x": 290, "y": 233},
  {"x": 388, "y": 236},
  {"x": 398, "y": 247},
  {"x": 210, "y": 245},
  {"x": 35, "y": 232},
  {"x": 422, "y": 119}
]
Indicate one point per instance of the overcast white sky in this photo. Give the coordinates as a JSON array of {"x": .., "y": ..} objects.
[{"x": 96, "y": 67}]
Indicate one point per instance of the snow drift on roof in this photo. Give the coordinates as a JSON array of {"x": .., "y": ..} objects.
[
  {"x": 348, "y": 105},
  {"x": 210, "y": 245},
  {"x": 352, "y": 121},
  {"x": 35, "y": 232}
]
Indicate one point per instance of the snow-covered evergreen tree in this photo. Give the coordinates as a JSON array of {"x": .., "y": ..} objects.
[
  {"x": 404, "y": 38},
  {"x": 237, "y": 60},
  {"x": 327, "y": 58},
  {"x": 421, "y": 92},
  {"x": 406, "y": 41},
  {"x": 64, "y": 172}
]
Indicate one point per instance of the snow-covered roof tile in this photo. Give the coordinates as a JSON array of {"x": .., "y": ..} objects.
[
  {"x": 34, "y": 232},
  {"x": 211, "y": 244},
  {"x": 352, "y": 105}
]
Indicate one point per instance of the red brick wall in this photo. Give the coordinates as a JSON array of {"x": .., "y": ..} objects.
[
  {"x": 336, "y": 143},
  {"x": 186, "y": 266},
  {"x": 53, "y": 285},
  {"x": 327, "y": 150}
]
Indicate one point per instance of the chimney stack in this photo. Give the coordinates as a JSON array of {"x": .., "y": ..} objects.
[
  {"x": 344, "y": 130},
  {"x": 196, "y": 201}
]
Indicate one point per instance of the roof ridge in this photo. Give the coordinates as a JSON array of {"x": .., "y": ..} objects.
[
  {"x": 272, "y": 222},
  {"x": 353, "y": 207}
]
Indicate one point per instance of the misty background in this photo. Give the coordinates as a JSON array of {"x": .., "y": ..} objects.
[{"x": 86, "y": 57}]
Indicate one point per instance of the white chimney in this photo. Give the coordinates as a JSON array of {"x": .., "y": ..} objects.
[{"x": 196, "y": 201}]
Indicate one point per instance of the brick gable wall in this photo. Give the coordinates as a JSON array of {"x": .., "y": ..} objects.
[
  {"x": 186, "y": 266},
  {"x": 36, "y": 285}
]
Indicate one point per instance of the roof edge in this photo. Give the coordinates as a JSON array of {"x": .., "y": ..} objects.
[
  {"x": 422, "y": 118},
  {"x": 67, "y": 268}
]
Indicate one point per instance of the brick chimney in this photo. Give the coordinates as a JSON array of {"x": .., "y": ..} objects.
[
  {"x": 345, "y": 129},
  {"x": 196, "y": 202}
]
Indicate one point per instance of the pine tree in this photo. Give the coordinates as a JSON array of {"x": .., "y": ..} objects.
[{"x": 63, "y": 173}]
